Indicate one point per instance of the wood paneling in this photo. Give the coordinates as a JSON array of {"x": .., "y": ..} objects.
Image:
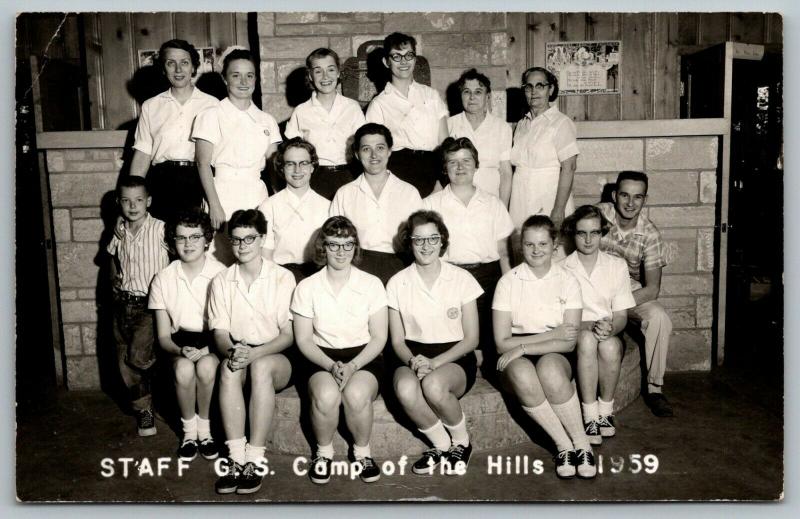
[
  {"x": 192, "y": 27},
  {"x": 636, "y": 69},
  {"x": 117, "y": 56},
  {"x": 747, "y": 27},
  {"x": 603, "y": 26},
  {"x": 573, "y": 28},
  {"x": 666, "y": 84},
  {"x": 713, "y": 28}
]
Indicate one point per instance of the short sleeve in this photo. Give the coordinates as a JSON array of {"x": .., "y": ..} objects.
[
  {"x": 156, "y": 299},
  {"x": 337, "y": 205},
  {"x": 505, "y": 141},
  {"x": 302, "y": 300},
  {"x": 143, "y": 140},
  {"x": 623, "y": 297},
  {"x": 357, "y": 118},
  {"x": 503, "y": 226},
  {"x": 375, "y": 112},
  {"x": 572, "y": 292},
  {"x": 565, "y": 139},
  {"x": 219, "y": 317},
  {"x": 377, "y": 295},
  {"x": 267, "y": 209},
  {"x": 439, "y": 106},
  {"x": 206, "y": 126},
  {"x": 112, "y": 245},
  {"x": 502, "y": 294},
  {"x": 653, "y": 253},
  {"x": 391, "y": 292},
  {"x": 162, "y": 234},
  {"x": 287, "y": 286},
  {"x": 293, "y": 125},
  {"x": 470, "y": 288},
  {"x": 274, "y": 131}
]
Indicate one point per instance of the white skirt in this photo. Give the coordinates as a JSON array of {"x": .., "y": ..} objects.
[{"x": 533, "y": 191}]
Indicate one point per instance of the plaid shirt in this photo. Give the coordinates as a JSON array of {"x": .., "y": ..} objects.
[{"x": 641, "y": 247}]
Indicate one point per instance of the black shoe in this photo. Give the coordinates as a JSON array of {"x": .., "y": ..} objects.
[
  {"x": 228, "y": 483},
  {"x": 592, "y": 429},
  {"x": 370, "y": 472},
  {"x": 428, "y": 462},
  {"x": 208, "y": 449},
  {"x": 565, "y": 464},
  {"x": 607, "y": 428},
  {"x": 658, "y": 404},
  {"x": 188, "y": 450},
  {"x": 458, "y": 459},
  {"x": 320, "y": 472},
  {"x": 249, "y": 481},
  {"x": 586, "y": 466},
  {"x": 146, "y": 422}
]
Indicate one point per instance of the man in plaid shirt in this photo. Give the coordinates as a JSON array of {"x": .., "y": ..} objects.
[{"x": 635, "y": 239}]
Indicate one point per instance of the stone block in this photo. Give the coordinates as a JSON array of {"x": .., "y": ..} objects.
[
  {"x": 366, "y": 16},
  {"x": 83, "y": 373},
  {"x": 87, "y": 230},
  {"x": 682, "y": 317},
  {"x": 708, "y": 187},
  {"x": 586, "y": 200},
  {"x": 686, "y": 216},
  {"x": 336, "y": 17},
  {"x": 111, "y": 154},
  {"x": 78, "y": 312},
  {"x": 423, "y": 22},
  {"x": 483, "y": 21},
  {"x": 72, "y": 339},
  {"x": 269, "y": 84},
  {"x": 287, "y": 48},
  {"x": 85, "y": 212},
  {"x": 461, "y": 56},
  {"x": 87, "y": 293},
  {"x": 266, "y": 24},
  {"x": 705, "y": 250},
  {"x": 672, "y": 187},
  {"x": 681, "y": 250},
  {"x": 591, "y": 184},
  {"x": 359, "y": 39},
  {"x": 705, "y": 312},
  {"x": 677, "y": 302},
  {"x": 477, "y": 37},
  {"x": 442, "y": 38},
  {"x": 689, "y": 350},
  {"x": 89, "y": 339},
  {"x": 612, "y": 155},
  {"x": 682, "y": 153},
  {"x": 296, "y": 17},
  {"x": 681, "y": 284},
  {"x": 284, "y": 69},
  {"x": 55, "y": 161},
  {"x": 87, "y": 189},
  {"x": 498, "y": 107},
  {"x": 342, "y": 46},
  {"x": 499, "y": 48},
  {"x": 61, "y": 225},
  {"x": 76, "y": 268},
  {"x": 326, "y": 28},
  {"x": 68, "y": 295},
  {"x": 75, "y": 154},
  {"x": 91, "y": 166},
  {"x": 276, "y": 105}
]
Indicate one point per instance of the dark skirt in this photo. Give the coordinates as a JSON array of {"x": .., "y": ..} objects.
[
  {"x": 301, "y": 270},
  {"x": 327, "y": 179},
  {"x": 419, "y": 168},
  {"x": 175, "y": 188},
  {"x": 384, "y": 265},
  {"x": 468, "y": 362}
]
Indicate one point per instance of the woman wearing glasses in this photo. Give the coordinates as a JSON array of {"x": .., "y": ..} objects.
[
  {"x": 433, "y": 320},
  {"x": 545, "y": 153},
  {"x": 340, "y": 324},
  {"x": 296, "y": 212}
]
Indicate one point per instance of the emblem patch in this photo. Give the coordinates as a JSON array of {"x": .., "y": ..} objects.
[{"x": 452, "y": 312}]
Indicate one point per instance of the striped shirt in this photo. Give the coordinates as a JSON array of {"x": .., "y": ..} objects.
[
  {"x": 643, "y": 247},
  {"x": 141, "y": 256}
]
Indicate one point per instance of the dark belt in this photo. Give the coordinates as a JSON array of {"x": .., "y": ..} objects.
[
  {"x": 335, "y": 169},
  {"x": 414, "y": 152},
  {"x": 178, "y": 163},
  {"x": 130, "y": 297},
  {"x": 469, "y": 266}
]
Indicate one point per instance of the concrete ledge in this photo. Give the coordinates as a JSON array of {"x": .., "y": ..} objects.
[{"x": 494, "y": 419}]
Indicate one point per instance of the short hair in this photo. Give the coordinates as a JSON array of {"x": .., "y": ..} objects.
[
  {"x": 423, "y": 217},
  {"x": 551, "y": 78},
  {"x": 247, "y": 218},
  {"x": 322, "y": 52},
  {"x": 584, "y": 212},
  {"x": 371, "y": 129},
  {"x": 451, "y": 145},
  {"x": 191, "y": 218},
  {"x": 637, "y": 176},
  {"x": 234, "y": 55},
  {"x": 180, "y": 45},
  {"x": 131, "y": 181},
  {"x": 336, "y": 227},
  {"x": 539, "y": 221},
  {"x": 295, "y": 142},
  {"x": 397, "y": 40},
  {"x": 477, "y": 76}
]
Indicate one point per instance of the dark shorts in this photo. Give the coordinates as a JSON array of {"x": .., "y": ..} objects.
[
  {"x": 301, "y": 270},
  {"x": 175, "y": 188},
  {"x": 197, "y": 340},
  {"x": 326, "y": 180},
  {"x": 468, "y": 363},
  {"x": 571, "y": 357},
  {"x": 384, "y": 265},
  {"x": 346, "y": 355},
  {"x": 419, "y": 168}
]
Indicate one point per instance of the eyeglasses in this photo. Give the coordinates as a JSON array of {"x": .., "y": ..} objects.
[
  {"x": 292, "y": 166},
  {"x": 539, "y": 87},
  {"x": 334, "y": 247},
  {"x": 431, "y": 240},
  {"x": 194, "y": 238},
  {"x": 247, "y": 240},
  {"x": 397, "y": 58}
]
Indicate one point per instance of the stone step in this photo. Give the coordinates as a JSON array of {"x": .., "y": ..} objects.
[{"x": 494, "y": 419}]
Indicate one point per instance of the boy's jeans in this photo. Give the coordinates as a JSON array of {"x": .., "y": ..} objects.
[{"x": 134, "y": 337}]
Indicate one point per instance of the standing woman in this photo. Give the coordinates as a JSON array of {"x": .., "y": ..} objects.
[
  {"x": 537, "y": 313},
  {"x": 545, "y": 153},
  {"x": 433, "y": 319},
  {"x": 235, "y": 138},
  {"x": 340, "y": 325},
  {"x": 162, "y": 144}
]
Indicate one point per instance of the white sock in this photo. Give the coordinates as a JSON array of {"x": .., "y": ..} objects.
[
  {"x": 590, "y": 411},
  {"x": 236, "y": 449},
  {"x": 189, "y": 428},
  {"x": 253, "y": 454},
  {"x": 458, "y": 432},
  {"x": 437, "y": 436},
  {"x": 652, "y": 388},
  {"x": 203, "y": 428},
  {"x": 543, "y": 415},
  {"x": 570, "y": 415},
  {"x": 360, "y": 452},
  {"x": 325, "y": 451},
  {"x": 605, "y": 408}
]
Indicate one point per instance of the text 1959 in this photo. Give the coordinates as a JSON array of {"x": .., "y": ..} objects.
[{"x": 634, "y": 463}]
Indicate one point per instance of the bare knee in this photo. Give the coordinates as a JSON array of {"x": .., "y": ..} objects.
[
  {"x": 206, "y": 369},
  {"x": 356, "y": 396},
  {"x": 184, "y": 372},
  {"x": 261, "y": 371},
  {"x": 550, "y": 370},
  {"x": 407, "y": 388},
  {"x": 610, "y": 350},
  {"x": 587, "y": 343},
  {"x": 434, "y": 388},
  {"x": 324, "y": 397}
]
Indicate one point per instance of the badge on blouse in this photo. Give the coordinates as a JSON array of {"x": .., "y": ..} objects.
[
  {"x": 266, "y": 132},
  {"x": 452, "y": 312}
]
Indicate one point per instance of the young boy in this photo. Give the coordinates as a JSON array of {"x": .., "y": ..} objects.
[
  {"x": 139, "y": 253},
  {"x": 414, "y": 113},
  {"x": 607, "y": 297},
  {"x": 178, "y": 295},
  {"x": 248, "y": 310},
  {"x": 327, "y": 120}
]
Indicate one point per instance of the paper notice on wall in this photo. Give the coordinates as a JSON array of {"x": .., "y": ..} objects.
[{"x": 585, "y": 67}]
